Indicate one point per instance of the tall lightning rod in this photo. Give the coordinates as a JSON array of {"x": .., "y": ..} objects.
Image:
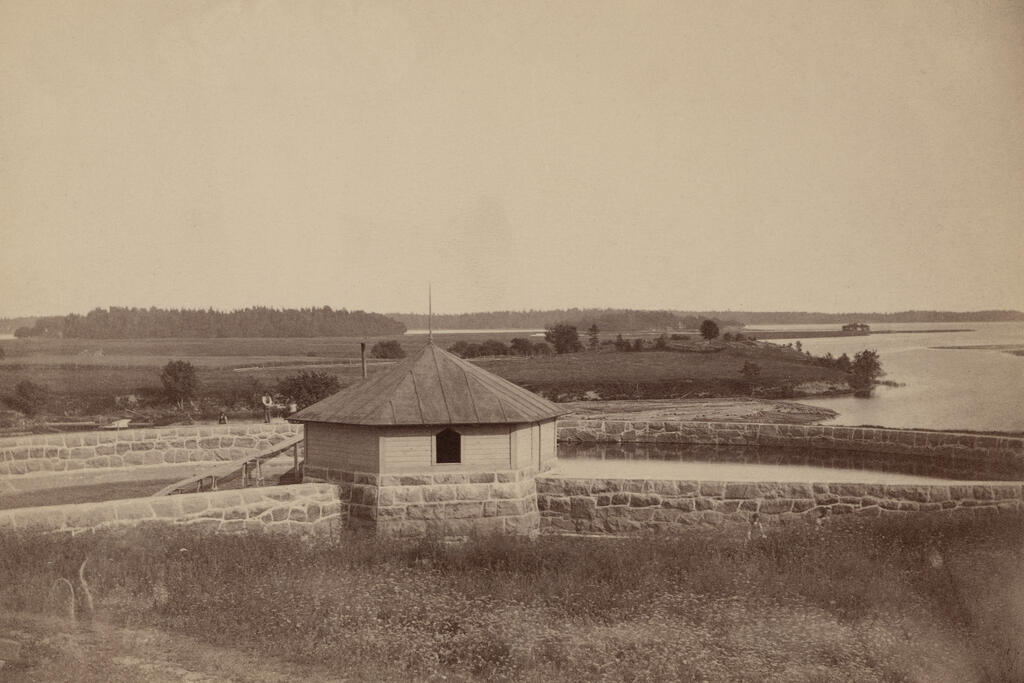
[{"x": 430, "y": 316}]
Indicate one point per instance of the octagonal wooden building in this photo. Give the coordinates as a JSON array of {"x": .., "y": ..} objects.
[{"x": 434, "y": 443}]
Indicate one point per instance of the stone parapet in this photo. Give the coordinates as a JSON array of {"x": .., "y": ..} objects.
[
  {"x": 295, "y": 509},
  {"x": 632, "y": 505},
  {"x": 438, "y": 503},
  {"x": 75, "y": 451},
  {"x": 944, "y": 454}
]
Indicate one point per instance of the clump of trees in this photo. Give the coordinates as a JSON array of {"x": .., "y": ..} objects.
[
  {"x": 28, "y": 397},
  {"x": 387, "y": 349},
  {"x": 180, "y": 382},
  {"x": 308, "y": 387},
  {"x": 864, "y": 372},
  {"x": 709, "y": 329},
  {"x": 864, "y": 369},
  {"x": 564, "y": 338}
]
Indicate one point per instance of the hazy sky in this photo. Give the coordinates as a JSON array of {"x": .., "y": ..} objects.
[{"x": 749, "y": 155}]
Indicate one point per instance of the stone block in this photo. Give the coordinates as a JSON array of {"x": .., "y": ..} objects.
[
  {"x": 684, "y": 504},
  {"x": 438, "y": 493},
  {"x": 776, "y": 506},
  {"x": 464, "y": 510},
  {"x": 451, "y": 478},
  {"x": 481, "y": 477},
  {"x": 425, "y": 511},
  {"x": 559, "y": 504},
  {"x": 712, "y": 517},
  {"x": 644, "y": 500},
  {"x": 582, "y": 507},
  {"x": 472, "y": 491},
  {"x": 713, "y": 489},
  {"x": 728, "y": 507}
]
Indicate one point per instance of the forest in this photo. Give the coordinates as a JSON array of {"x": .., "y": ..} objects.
[{"x": 154, "y": 323}]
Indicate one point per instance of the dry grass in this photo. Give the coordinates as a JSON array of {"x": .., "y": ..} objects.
[{"x": 908, "y": 599}]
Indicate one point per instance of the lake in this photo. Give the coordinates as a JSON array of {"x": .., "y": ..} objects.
[{"x": 977, "y": 389}]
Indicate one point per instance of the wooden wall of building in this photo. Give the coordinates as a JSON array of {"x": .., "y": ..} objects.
[{"x": 342, "y": 447}]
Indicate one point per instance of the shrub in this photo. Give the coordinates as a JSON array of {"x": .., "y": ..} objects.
[
  {"x": 621, "y": 344},
  {"x": 387, "y": 349},
  {"x": 180, "y": 382},
  {"x": 542, "y": 349},
  {"x": 638, "y": 344},
  {"x": 308, "y": 387},
  {"x": 661, "y": 343},
  {"x": 709, "y": 329},
  {"x": 679, "y": 337},
  {"x": 493, "y": 347},
  {"x": 29, "y": 398}
]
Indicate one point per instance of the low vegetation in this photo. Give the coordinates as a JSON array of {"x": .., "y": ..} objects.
[{"x": 913, "y": 598}]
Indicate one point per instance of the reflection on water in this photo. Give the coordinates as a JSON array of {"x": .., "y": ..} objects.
[
  {"x": 945, "y": 388},
  {"x": 746, "y": 463}
]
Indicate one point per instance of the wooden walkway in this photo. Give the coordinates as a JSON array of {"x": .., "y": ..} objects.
[{"x": 246, "y": 468}]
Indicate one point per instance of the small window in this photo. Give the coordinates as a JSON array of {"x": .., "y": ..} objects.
[{"x": 449, "y": 447}]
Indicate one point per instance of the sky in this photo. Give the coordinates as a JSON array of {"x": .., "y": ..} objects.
[{"x": 788, "y": 155}]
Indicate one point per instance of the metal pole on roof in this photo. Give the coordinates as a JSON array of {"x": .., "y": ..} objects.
[{"x": 430, "y": 316}]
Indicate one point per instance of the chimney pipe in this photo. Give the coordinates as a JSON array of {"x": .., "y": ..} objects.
[{"x": 362, "y": 357}]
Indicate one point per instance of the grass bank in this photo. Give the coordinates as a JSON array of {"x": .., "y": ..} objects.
[{"x": 878, "y": 600}]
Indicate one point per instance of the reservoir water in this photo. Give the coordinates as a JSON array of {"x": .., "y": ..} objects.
[{"x": 975, "y": 389}]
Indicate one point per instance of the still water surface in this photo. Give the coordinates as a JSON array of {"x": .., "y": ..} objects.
[
  {"x": 590, "y": 468},
  {"x": 977, "y": 389}
]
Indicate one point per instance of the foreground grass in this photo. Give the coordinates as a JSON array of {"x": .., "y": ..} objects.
[{"x": 911, "y": 599}]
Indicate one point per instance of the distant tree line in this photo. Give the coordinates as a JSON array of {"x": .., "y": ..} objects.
[
  {"x": 138, "y": 323},
  {"x": 618, "y": 319}
]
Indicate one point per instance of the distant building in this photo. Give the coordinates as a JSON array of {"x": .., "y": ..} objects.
[
  {"x": 434, "y": 444},
  {"x": 857, "y": 328}
]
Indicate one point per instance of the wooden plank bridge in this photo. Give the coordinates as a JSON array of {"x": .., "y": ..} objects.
[{"x": 250, "y": 469}]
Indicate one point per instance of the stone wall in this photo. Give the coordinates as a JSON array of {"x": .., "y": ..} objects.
[
  {"x": 440, "y": 503},
  {"x": 297, "y": 509},
  {"x": 631, "y": 505},
  {"x": 73, "y": 451},
  {"x": 942, "y": 454}
]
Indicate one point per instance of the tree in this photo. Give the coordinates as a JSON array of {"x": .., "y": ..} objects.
[
  {"x": 564, "y": 338},
  {"x": 521, "y": 346},
  {"x": 865, "y": 370},
  {"x": 308, "y": 387},
  {"x": 29, "y": 397},
  {"x": 621, "y": 344},
  {"x": 709, "y": 329},
  {"x": 387, "y": 349},
  {"x": 594, "y": 338},
  {"x": 180, "y": 382}
]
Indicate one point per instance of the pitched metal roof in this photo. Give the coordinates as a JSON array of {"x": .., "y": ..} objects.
[{"x": 432, "y": 387}]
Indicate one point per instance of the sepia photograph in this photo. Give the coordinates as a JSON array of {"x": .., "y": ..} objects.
[{"x": 511, "y": 340}]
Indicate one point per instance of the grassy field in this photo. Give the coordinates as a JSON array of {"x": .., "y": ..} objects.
[
  {"x": 882, "y": 600},
  {"x": 663, "y": 374},
  {"x": 90, "y": 493},
  {"x": 85, "y": 375}
]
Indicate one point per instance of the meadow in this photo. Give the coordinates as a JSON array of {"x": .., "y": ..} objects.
[
  {"x": 868, "y": 600},
  {"x": 84, "y": 376}
]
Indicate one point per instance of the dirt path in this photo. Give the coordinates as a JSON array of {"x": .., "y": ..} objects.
[
  {"x": 60, "y": 650},
  {"x": 710, "y": 410}
]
